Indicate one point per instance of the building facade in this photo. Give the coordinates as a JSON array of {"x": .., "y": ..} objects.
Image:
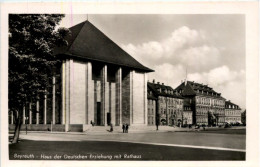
[
  {"x": 96, "y": 82},
  {"x": 232, "y": 113},
  {"x": 151, "y": 100},
  {"x": 169, "y": 105},
  {"x": 187, "y": 114},
  {"x": 208, "y": 106}
]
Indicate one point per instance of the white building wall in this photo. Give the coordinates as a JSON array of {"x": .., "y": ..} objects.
[
  {"x": 78, "y": 107},
  {"x": 139, "y": 98}
]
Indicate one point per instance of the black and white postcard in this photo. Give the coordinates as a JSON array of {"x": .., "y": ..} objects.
[{"x": 120, "y": 84}]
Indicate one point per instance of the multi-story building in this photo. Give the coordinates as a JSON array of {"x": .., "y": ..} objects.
[
  {"x": 98, "y": 82},
  {"x": 187, "y": 113},
  {"x": 232, "y": 113},
  {"x": 151, "y": 100},
  {"x": 208, "y": 106},
  {"x": 169, "y": 105}
]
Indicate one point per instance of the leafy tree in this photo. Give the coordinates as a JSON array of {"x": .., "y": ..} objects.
[
  {"x": 32, "y": 38},
  {"x": 243, "y": 117}
]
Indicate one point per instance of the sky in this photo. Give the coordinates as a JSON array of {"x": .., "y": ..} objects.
[{"x": 211, "y": 48}]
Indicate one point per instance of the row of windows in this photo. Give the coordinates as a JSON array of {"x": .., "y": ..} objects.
[
  {"x": 187, "y": 108},
  {"x": 150, "y": 120},
  {"x": 237, "y": 113},
  {"x": 187, "y": 114},
  {"x": 150, "y": 111},
  {"x": 171, "y": 111},
  {"x": 233, "y": 119},
  {"x": 206, "y": 109},
  {"x": 170, "y": 100},
  {"x": 151, "y": 102},
  {"x": 209, "y": 101},
  {"x": 232, "y": 106}
]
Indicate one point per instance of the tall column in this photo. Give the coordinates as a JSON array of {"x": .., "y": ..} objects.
[
  {"x": 67, "y": 94},
  {"x": 112, "y": 95},
  {"x": 71, "y": 84},
  {"x": 63, "y": 91},
  {"x": 45, "y": 108},
  {"x": 53, "y": 98},
  {"x": 119, "y": 96},
  {"x": 90, "y": 94},
  {"x": 30, "y": 113},
  {"x": 104, "y": 88},
  {"x": 23, "y": 114},
  {"x": 37, "y": 112},
  {"x": 131, "y": 96},
  {"x": 12, "y": 117}
]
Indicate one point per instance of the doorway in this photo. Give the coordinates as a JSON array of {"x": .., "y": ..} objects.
[{"x": 108, "y": 118}]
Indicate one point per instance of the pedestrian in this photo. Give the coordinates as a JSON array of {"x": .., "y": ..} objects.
[
  {"x": 126, "y": 128},
  {"x": 123, "y": 127},
  {"x": 111, "y": 127},
  {"x": 91, "y": 122}
]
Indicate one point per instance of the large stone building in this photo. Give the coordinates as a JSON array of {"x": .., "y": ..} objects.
[
  {"x": 151, "y": 100},
  {"x": 207, "y": 105},
  {"x": 232, "y": 113},
  {"x": 169, "y": 105},
  {"x": 97, "y": 81},
  {"x": 187, "y": 113}
]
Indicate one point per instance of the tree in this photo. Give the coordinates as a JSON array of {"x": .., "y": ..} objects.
[
  {"x": 32, "y": 38},
  {"x": 243, "y": 117}
]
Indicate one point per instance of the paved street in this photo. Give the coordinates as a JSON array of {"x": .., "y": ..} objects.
[{"x": 143, "y": 146}]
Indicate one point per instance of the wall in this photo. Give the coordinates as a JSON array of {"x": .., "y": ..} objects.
[
  {"x": 139, "y": 98},
  {"x": 126, "y": 97},
  {"x": 78, "y": 107}
]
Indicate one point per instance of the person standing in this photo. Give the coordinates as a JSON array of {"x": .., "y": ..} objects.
[
  {"x": 111, "y": 127},
  {"x": 123, "y": 127},
  {"x": 126, "y": 128}
]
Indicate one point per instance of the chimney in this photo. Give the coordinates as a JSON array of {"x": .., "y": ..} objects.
[{"x": 153, "y": 80}]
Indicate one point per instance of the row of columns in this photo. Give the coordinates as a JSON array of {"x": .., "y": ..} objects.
[
  {"x": 38, "y": 108},
  {"x": 116, "y": 118},
  {"x": 67, "y": 94}
]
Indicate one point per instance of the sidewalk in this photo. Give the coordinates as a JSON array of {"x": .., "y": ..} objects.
[{"x": 117, "y": 130}]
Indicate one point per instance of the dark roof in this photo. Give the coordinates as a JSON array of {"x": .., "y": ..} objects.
[
  {"x": 150, "y": 94},
  {"x": 227, "y": 103},
  {"x": 193, "y": 89},
  {"x": 87, "y": 42},
  {"x": 165, "y": 90}
]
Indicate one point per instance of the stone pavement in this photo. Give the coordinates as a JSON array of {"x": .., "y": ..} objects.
[{"x": 191, "y": 139}]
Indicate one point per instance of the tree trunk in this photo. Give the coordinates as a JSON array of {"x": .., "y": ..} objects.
[{"x": 18, "y": 124}]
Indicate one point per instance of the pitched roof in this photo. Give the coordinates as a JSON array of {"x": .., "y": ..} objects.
[
  {"x": 232, "y": 105},
  {"x": 193, "y": 89},
  {"x": 163, "y": 90},
  {"x": 88, "y": 42}
]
